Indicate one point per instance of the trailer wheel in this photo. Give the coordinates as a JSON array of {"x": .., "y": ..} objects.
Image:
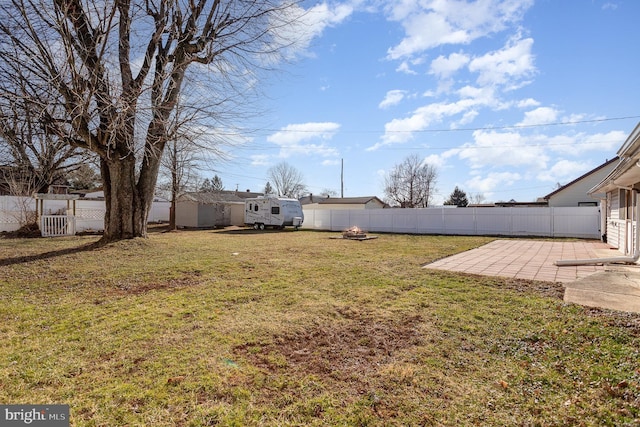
[
  {"x": 255, "y": 226},
  {"x": 261, "y": 226}
]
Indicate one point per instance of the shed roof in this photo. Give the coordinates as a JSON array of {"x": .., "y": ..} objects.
[{"x": 210, "y": 197}]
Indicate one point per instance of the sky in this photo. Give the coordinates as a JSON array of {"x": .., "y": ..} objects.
[{"x": 507, "y": 99}]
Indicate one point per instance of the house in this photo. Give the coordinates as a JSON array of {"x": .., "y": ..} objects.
[
  {"x": 210, "y": 209},
  {"x": 576, "y": 193},
  {"x": 368, "y": 202},
  {"x": 620, "y": 201}
]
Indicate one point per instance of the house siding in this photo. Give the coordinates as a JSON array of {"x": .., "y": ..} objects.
[
  {"x": 577, "y": 193},
  {"x": 614, "y": 225}
]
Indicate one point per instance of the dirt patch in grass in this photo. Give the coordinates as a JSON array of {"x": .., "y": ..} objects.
[
  {"x": 544, "y": 289},
  {"x": 629, "y": 322},
  {"x": 348, "y": 350}
]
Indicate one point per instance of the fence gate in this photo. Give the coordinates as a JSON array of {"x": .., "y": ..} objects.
[{"x": 57, "y": 225}]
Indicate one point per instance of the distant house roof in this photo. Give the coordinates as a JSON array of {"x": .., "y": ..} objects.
[
  {"x": 592, "y": 171},
  {"x": 520, "y": 204},
  {"x": 348, "y": 200},
  {"x": 509, "y": 204},
  {"x": 242, "y": 194},
  {"x": 307, "y": 200}
]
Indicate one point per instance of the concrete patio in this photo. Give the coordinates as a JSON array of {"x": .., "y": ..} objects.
[{"x": 612, "y": 287}]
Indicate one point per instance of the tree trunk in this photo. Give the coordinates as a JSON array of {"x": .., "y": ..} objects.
[
  {"x": 174, "y": 188},
  {"x": 125, "y": 215},
  {"x": 128, "y": 196}
]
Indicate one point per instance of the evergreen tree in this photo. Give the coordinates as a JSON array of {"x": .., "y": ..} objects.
[
  {"x": 457, "y": 198},
  {"x": 216, "y": 183},
  {"x": 268, "y": 189},
  {"x": 206, "y": 186}
]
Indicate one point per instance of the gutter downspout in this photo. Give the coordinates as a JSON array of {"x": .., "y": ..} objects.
[{"x": 611, "y": 260}]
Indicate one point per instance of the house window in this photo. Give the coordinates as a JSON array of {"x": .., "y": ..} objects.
[
  {"x": 275, "y": 210},
  {"x": 626, "y": 206},
  {"x": 587, "y": 203}
]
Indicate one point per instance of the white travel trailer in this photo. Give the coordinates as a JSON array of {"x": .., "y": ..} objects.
[{"x": 276, "y": 212}]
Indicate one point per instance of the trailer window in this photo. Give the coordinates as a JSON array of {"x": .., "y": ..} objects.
[
  {"x": 255, "y": 208},
  {"x": 275, "y": 210},
  {"x": 250, "y": 206}
]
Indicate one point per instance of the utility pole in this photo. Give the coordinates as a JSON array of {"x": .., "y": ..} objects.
[{"x": 342, "y": 178}]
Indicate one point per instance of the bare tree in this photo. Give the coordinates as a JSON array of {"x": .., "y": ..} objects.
[
  {"x": 328, "y": 192},
  {"x": 179, "y": 163},
  {"x": 476, "y": 198},
  {"x": 112, "y": 72},
  {"x": 28, "y": 152},
  {"x": 411, "y": 184},
  {"x": 288, "y": 181},
  {"x": 186, "y": 151},
  {"x": 21, "y": 186}
]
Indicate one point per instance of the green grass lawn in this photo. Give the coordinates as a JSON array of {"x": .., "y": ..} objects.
[{"x": 244, "y": 328}]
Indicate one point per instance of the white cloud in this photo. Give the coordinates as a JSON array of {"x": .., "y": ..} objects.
[
  {"x": 300, "y": 26},
  {"x": 511, "y": 66},
  {"x": 429, "y": 24},
  {"x": 445, "y": 67},
  {"x": 540, "y": 116},
  {"x": 581, "y": 142},
  {"x": 291, "y": 138},
  {"x": 494, "y": 181},
  {"x": 503, "y": 149},
  {"x": 564, "y": 171},
  {"x": 296, "y": 133},
  {"x": 392, "y": 98},
  {"x": 439, "y": 161},
  {"x": 259, "y": 160},
  {"x": 405, "y": 67},
  {"x": 526, "y": 103},
  {"x": 467, "y": 118},
  {"x": 401, "y": 130}
]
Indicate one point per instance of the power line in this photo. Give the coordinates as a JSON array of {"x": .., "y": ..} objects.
[{"x": 537, "y": 125}]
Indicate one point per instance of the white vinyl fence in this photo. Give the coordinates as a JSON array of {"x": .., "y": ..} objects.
[
  {"x": 580, "y": 222},
  {"x": 89, "y": 214},
  {"x": 15, "y": 211}
]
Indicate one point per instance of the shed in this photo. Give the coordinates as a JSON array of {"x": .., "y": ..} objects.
[{"x": 209, "y": 210}]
